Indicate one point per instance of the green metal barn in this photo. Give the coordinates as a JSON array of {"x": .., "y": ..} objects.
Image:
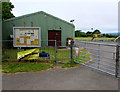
[{"x": 52, "y": 28}]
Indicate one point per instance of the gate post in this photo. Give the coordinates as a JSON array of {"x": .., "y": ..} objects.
[
  {"x": 117, "y": 61},
  {"x": 71, "y": 51},
  {"x": 55, "y": 51}
]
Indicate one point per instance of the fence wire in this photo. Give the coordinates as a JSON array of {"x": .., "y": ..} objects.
[
  {"x": 57, "y": 53},
  {"x": 9, "y": 52}
]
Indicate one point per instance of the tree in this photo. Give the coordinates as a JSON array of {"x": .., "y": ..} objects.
[
  {"x": 83, "y": 34},
  {"x": 79, "y": 33},
  {"x": 110, "y": 35},
  {"x": 89, "y": 34},
  {"x": 6, "y": 10},
  {"x": 97, "y": 32}
]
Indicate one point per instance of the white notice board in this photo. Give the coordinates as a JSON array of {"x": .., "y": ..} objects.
[{"x": 26, "y": 36}]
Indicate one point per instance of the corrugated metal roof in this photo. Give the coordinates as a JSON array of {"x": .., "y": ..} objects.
[{"x": 35, "y": 14}]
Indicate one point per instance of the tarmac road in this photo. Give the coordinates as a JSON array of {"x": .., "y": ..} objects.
[{"x": 80, "y": 78}]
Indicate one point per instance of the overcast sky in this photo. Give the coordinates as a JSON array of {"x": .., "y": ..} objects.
[{"x": 96, "y": 14}]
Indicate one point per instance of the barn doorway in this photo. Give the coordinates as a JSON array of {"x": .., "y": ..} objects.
[{"x": 54, "y": 35}]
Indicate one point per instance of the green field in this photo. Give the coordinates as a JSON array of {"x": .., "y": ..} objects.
[{"x": 96, "y": 39}]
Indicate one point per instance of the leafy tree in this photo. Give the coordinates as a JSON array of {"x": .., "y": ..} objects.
[
  {"x": 83, "y": 34},
  {"x": 6, "y": 10},
  {"x": 97, "y": 32},
  {"x": 79, "y": 33},
  {"x": 89, "y": 34},
  {"x": 110, "y": 35}
]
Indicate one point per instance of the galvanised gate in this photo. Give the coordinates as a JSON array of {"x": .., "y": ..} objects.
[{"x": 100, "y": 56}]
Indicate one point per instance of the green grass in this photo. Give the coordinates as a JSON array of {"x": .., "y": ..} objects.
[
  {"x": 69, "y": 65},
  {"x": 0, "y": 68},
  {"x": 96, "y": 39},
  {"x": 13, "y": 67},
  {"x": 9, "y": 54},
  {"x": 83, "y": 57},
  {"x": 51, "y": 51},
  {"x": 62, "y": 55}
]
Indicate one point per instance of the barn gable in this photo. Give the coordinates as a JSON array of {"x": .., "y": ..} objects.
[{"x": 45, "y": 21}]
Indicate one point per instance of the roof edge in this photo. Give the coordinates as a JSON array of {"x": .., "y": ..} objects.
[
  {"x": 58, "y": 18},
  {"x": 14, "y": 18},
  {"x": 36, "y": 13}
]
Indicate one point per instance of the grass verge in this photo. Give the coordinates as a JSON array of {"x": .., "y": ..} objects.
[
  {"x": 69, "y": 65},
  {"x": 13, "y": 67},
  {"x": 84, "y": 56},
  {"x": 96, "y": 39},
  {"x": 63, "y": 55}
]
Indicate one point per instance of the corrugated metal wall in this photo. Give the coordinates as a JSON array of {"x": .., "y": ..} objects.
[{"x": 39, "y": 19}]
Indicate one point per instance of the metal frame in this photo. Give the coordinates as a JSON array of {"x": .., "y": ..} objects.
[
  {"x": 39, "y": 36},
  {"x": 117, "y": 61},
  {"x": 105, "y": 65}
]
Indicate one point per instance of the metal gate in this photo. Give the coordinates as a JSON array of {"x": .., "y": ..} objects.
[{"x": 100, "y": 56}]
